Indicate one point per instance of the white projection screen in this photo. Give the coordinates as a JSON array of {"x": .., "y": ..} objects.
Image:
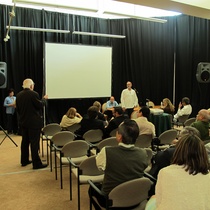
[{"x": 77, "y": 71}]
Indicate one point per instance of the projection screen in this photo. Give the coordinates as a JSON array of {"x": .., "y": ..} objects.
[{"x": 77, "y": 71}]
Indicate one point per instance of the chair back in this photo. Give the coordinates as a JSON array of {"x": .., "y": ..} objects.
[
  {"x": 189, "y": 121},
  {"x": 103, "y": 107},
  {"x": 112, "y": 141},
  {"x": 183, "y": 118},
  {"x": 88, "y": 167},
  {"x": 134, "y": 115},
  {"x": 113, "y": 132},
  {"x": 93, "y": 136},
  {"x": 75, "y": 149},
  {"x": 130, "y": 193},
  {"x": 73, "y": 127},
  {"x": 168, "y": 136},
  {"x": 151, "y": 104},
  {"x": 51, "y": 129},
  {"x": 143, "y": 140},
  {"x": 63, "y": 137}
]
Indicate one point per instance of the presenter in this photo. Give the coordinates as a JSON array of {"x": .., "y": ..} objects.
[{"x": 129, "y": 99}]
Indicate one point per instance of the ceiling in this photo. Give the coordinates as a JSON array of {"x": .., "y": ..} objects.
[{"x": 197, "y": 8}]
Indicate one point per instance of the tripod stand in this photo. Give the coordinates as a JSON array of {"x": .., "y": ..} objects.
[{"x": 6, "y": 135}]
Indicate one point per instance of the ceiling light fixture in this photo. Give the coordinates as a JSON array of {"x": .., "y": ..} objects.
[{"x": 99, "y": 34}]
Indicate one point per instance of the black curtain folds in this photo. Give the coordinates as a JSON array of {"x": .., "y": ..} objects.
[{"x": 145, "y": 56}]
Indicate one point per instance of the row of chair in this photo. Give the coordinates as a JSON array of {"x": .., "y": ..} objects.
[{"x": 75, "y": 155}]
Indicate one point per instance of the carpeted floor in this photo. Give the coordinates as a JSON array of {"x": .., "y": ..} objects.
[{"x": 24, "y": 188}]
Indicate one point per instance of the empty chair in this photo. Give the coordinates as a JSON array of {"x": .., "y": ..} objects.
[
  {"x": 128, "y": 194},
  {"x": 143, "y": 141},
  {"x": 189, "y": 121},
  {"x": 93, "y": 136},
  {"x": 167, "y": 137},
  {"x": 84, "y": 171},
  {"x": 73, "y": 127},
  {"x": 103, "y": 107},
  {"x": 111, "y": 141},
  {"x": 57, "y": 142},
  {"x": 77, "y": 152},
  {"x": 47, "y": 132}
]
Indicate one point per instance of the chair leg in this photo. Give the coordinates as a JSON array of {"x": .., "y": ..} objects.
[
  {"x": 50, "y": 157},
  {"x": 42, "y": 149},
  {"x": 70, "y": 182},
  {"x": 47, "y": 153},
  {"x": 78, "y": 189},
  {"x": 61, "y": 175},
  {"x": 56, "y": 167}
]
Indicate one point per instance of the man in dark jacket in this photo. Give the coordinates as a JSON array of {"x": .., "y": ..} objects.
[{"x": 29, "y": 108}]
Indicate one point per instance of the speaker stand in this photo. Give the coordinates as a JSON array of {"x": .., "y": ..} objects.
[{"x": 6, "y": 135}]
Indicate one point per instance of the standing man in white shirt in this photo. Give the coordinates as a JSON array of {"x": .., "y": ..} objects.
[
  {"x": 129, "y": 99},
  {"x": 184, "y": 108}
]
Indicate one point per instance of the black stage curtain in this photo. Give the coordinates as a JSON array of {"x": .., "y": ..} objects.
[{"x": 145, "y": 56}]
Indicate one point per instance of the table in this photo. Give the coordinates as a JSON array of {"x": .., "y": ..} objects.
[{"x": 162, "y": 122}]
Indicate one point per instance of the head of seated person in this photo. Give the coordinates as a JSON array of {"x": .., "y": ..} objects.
[
  {"x": 98, "y": 105},
  {"x": 71, "y": 113},
  {"x": 128, "y": 131},
  {"x": 144, "y": 112},
  {"x": 185, "y": 101},
  {"x": 117, "y": 111},
  {"x": 92, "y": 112}
]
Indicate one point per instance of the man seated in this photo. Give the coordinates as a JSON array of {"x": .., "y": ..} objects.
[
  {"x": 120, "y": 163},
  {"x": 144, "y": 125},
  {"x": 184, "y": 109},
  {"x": 90, "y": 122},
  {"x": 119, "y": 117},
  {"x": 109, "y": 107},
  {"x": 202, "y": 123}
]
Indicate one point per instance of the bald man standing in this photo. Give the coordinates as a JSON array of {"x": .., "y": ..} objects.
[{"x": 29, "y": 107}]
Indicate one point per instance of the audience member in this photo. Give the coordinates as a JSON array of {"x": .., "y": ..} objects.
[
  {"x": 163, "y": 158},
  {"x": 29, "y": 107},
  {"x": 167, "y": 106},
  {"x": 100, "y": 115},
  {"x": 9, "y": 103},
  {"x": 119, "y": 117},
  {"x": 109, "y": 107},
  {"x": 184, "y": 108},
  {"x": 120, "y": 163},
  {"x": 90, "y": 122},
  {"x": 145, "y": 127},
  {"x": 129, "y": 99},
  {"x": 71, "y": 117},
  {"x": 186, "y": 183},
  {"x": 202, "y": 123}
]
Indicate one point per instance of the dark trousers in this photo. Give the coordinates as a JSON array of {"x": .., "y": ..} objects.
[
  {"x": 30, "y": 137},
  {"x": 11, "y": 123}
]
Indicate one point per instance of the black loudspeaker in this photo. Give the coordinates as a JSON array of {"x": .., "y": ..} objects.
[
  {"x": 203, "y": 73},
  {"x": 3, "y": 75}
]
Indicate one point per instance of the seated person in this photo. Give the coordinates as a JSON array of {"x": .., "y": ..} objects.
[
  {"x": 167, "y": 106},
  {"x": 109, "y": 107},
  {"x": 145, "y": 127},
  {"x": 90, "y": 122},
  {"x": 184, "y": 109},
  {"x": 71, "y": 117},
  {"x": 163, "y": 158},
  {"x": 202, "y": 123},
  {"x": 120, "y": 163},
  {"x": 100, "y": 115},
  {"x": 185, "y": 184},
  {"x": 119, "y": 117}
]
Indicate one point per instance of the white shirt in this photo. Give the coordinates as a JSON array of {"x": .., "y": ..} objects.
[
  {"x": 145, "y": 127},
  {"x": 128, "y": 99},
  {"x": 186, "y": 110},
  {"x": 101, "y": 157}
]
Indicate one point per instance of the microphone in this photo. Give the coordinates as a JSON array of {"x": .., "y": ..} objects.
[{"x": 136, "y": 90}]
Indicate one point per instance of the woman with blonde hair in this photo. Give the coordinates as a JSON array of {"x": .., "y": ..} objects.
[
  {"x": 71, "y": 117},
  {"x": 167, "y": 106},
  {"x": 185, "y": 184}
]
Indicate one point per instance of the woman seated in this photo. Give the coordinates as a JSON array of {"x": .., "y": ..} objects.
[
  {"x": 71, "y": 117},
  {"x": 185, "y": 184},
  {"x": 167, "y": 106}
]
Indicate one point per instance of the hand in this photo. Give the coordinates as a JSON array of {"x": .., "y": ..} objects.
[
  {"x": 180, "y": 105},
  {"x": 45, "y": 97}
]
